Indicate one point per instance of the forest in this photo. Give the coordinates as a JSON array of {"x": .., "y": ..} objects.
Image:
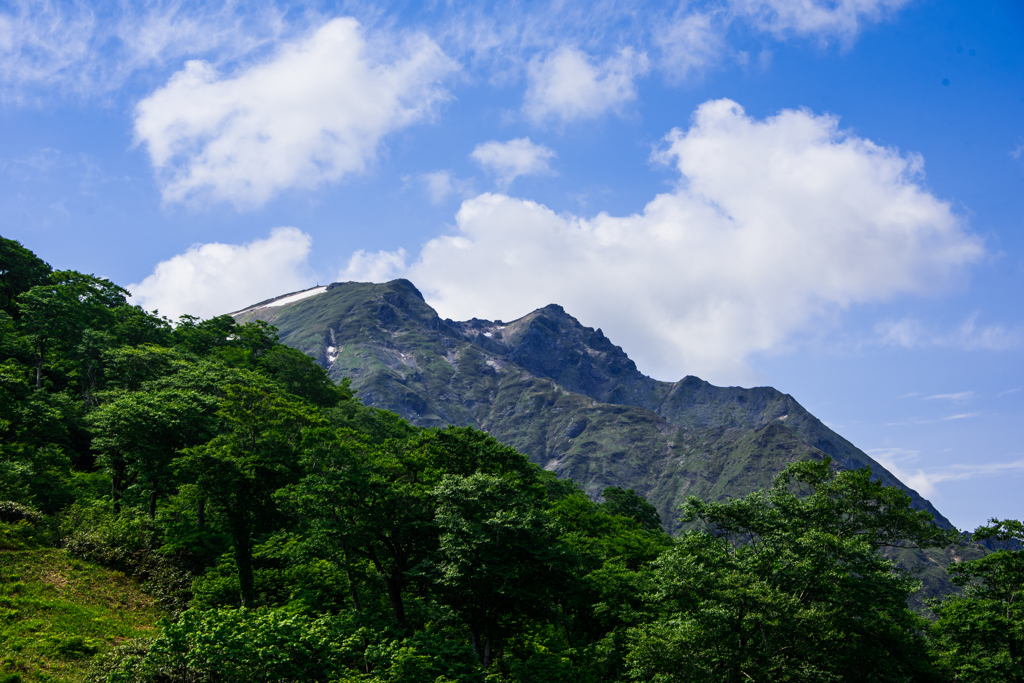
[{"x": 287, "y": 532}]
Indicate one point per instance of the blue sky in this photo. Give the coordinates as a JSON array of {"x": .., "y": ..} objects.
[{"x": 824, "y": 196}]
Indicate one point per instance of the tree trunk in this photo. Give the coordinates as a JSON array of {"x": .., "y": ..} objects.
[
  {"x": 116, "y": 479},
  {"x": 201, "y": 513},
  {"x": 395, "y": 596},
  {"x": 39, "y": 368},
  {"x": 243, "y": 560},
  {"x": 351, "y": 580},
  {"x": 487, "y": 652},
  {"x": 152, "y": 504}
]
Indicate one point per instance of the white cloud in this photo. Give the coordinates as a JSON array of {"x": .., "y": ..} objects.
[
  {"x": 380, "y": 266},
  {"x": 822, "y": 19},
  {"x": 212, "y": 279},
  {"x": 509, "y": 160},
  {"x": 568, "y": 85},
  {"x": 314, "y": 112},
  {"x": 774, "y": 223},
  {"x": 690, "y": 43}
]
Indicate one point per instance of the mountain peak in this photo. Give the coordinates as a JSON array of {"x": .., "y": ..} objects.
[{"x": 561, "y": 392}]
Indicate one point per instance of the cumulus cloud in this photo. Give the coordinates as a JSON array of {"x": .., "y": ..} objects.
[
  {"x": 509, "y": 160},
  {"x": 568, "y": 84},
  {"x": 774, "y": 223},
  {"x": 312, "y": 113},
  {"x": 379, "y": 266},
  {"x": 212, "y": 279}
]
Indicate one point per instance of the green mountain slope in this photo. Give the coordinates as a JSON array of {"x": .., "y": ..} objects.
[{"x": 560, "y": 392}]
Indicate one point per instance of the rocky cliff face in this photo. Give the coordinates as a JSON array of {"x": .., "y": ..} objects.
[{"x": 560, "y": 392}]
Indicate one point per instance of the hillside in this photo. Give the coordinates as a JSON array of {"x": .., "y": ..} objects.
[
  {"x": 58, "y": 613},
  {"x": 560, "y": 392}
]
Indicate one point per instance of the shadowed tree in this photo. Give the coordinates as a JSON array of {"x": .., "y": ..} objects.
[{"x": 256, "y": 453}]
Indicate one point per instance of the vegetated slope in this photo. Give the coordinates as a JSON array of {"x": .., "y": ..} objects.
[
  {"x": 561, "y": 393},
  {"x": 57, "y": 613}
]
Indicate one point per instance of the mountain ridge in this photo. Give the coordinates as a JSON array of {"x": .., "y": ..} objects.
[{"x": 560, "y": 392}]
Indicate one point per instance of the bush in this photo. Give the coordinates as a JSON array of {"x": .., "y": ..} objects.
[
  {"x": 12, "y": 512},
  {"x": 125, "y": 543},
  {"x": 264, "y": 645},
  {"x": 20, "y": 526}
]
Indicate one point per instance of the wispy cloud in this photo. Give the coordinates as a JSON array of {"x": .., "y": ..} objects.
[
  {"x": 87, "y": 50},
  {"x": 910, "y": 333},
  {"x": 962, "y": 416},
  {"x": 912, "y": 421},
  {"x": 823, "y": 20},
  {"x": 958, "y": 397},
  {"x": 900, "y": 462},
  {"x": 440, "y": 185},
  {"x": 61, "y": 47}
]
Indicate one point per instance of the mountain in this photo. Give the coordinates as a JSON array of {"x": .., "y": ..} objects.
[{"x": 562, "y": 393}]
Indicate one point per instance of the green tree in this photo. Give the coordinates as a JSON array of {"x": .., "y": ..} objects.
[
  {"x": 788, "y": 585},
  {"x": 138, "y": 435},
  {"x": 375, "y": 502},
  {"x": 256, "y": 453},
  {"x": 495, "y": 543},
  {"x": 979, "y": 635},
  {"x": 300, "y": 375},
  {"x": 370, "y": 501},
  {"x": 20, "y": 271},
  {"x": 629, "y": 503},
  {"x": 55, "y": 314}
]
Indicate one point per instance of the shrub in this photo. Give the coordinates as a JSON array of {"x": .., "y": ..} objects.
[
  {"x": 125, "y": 542},
  {"x": 12, "y": 512}
]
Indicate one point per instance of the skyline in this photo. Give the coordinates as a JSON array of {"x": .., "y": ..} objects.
[{"x": 824, "y": 197}]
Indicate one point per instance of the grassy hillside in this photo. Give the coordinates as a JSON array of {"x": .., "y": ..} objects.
[{"x": 57, "y": 613}]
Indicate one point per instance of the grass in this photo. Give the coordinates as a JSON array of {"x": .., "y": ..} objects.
[{"x": 57, "y": 613}]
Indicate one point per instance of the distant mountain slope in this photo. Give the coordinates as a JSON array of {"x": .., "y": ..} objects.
[{"x": 560, "y": 392}]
